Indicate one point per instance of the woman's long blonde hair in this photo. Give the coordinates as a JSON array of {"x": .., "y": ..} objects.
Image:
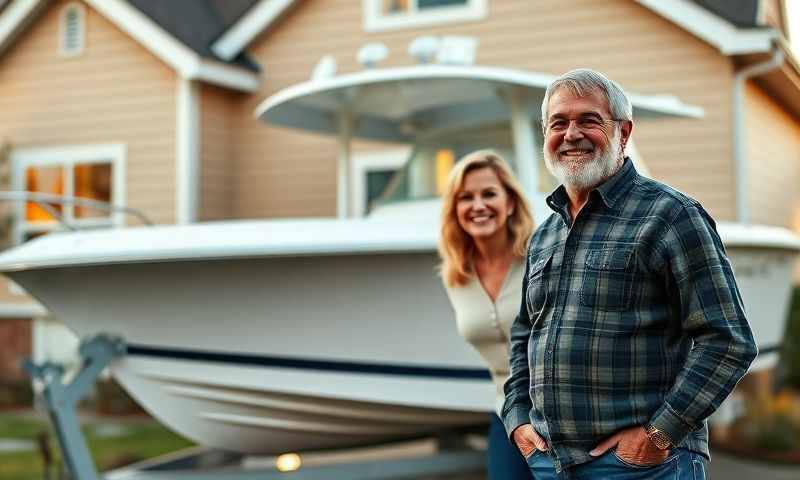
[{"x": 455, "y": 245}]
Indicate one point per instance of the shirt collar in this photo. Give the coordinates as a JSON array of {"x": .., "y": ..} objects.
[{"x": 609, "y": 191}]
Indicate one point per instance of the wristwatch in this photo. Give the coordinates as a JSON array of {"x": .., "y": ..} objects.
[{"x": 659, "y": 438}]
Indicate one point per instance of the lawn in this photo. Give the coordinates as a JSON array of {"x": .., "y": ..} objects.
[{"x": 113, "y": 442}]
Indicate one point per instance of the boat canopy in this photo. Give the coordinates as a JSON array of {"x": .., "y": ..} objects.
[{"x": 400, "y": 104}]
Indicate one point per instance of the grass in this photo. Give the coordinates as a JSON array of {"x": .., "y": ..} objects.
[{"x": 138, "y": 439}]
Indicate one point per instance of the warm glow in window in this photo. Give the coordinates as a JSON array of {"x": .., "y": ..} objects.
[
  {"x": 44, "y": 180},
  {"x": 71, "y": 187},
  {"x": 445, "y": 159},
  {"x": 395, "y": 6},
  {"x": 396, "y": 14},
  {"x": 92, "y": 181},
  {"x": 411, "y": 6}
]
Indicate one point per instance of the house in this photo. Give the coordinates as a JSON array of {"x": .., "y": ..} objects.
[{"x": 149, "y": 104}]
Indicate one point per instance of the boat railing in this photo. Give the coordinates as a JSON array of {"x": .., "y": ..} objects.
[{"x": 47, "y": 201}]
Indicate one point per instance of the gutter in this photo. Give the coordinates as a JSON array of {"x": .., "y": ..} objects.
[{"x": 739, "y": 154}]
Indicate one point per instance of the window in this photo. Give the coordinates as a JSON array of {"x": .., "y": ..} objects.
[
  {"x": 396, "y": 14},
  {"x": 90, "y": 172},
  {"x": 372, "y": 172},
  {"x": 72, "y": 30}
]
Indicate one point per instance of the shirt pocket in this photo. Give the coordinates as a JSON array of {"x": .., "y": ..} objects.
[
  {"x": 536, "y": 293},
  {"x": 608, "y": 279}
]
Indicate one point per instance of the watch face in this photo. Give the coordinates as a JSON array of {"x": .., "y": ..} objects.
[{"x": 660, "y": 440}]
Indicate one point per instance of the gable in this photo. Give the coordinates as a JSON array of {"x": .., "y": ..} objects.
[
  {"x": 187, "y": 62},
  {"x": 199, "y": 24}
]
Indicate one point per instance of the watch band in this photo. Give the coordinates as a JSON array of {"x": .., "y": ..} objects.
[{"x": 659, "y": 438}]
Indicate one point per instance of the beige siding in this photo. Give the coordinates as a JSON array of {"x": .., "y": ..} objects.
[
  {"x": 115, "y": 92},
  {"x": 773, "y": 156},
  {"x": 284, "y": 173},
  {"x": 773, "y": 14},
  {"x": 11, "y": 296},
  {"x": 216, "y": 155}
]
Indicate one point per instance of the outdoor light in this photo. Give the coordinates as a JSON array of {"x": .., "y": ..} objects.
[
  {"x": 370, "y": 54},
  {"x": 424, "y": 48},
  {"x": 288, "y": 462}
]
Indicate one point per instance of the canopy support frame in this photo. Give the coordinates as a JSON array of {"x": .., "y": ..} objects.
[{"x": 525, "y": 145}]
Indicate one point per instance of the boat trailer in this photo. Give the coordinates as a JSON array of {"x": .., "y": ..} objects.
[{"x": 61, "y": 397}]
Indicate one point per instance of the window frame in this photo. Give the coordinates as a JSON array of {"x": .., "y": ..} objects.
[
  {"x": 67, "y": 157},
  {"x": 376, "y": 21},
  {"x": 80, "y": 9},
  {"x": 366, "y": 162}
]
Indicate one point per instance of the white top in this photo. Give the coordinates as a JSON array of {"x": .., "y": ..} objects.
[{"x": 486, "y": 325}]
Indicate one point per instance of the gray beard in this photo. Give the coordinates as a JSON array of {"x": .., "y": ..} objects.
[{"x": 590, "y": 174}]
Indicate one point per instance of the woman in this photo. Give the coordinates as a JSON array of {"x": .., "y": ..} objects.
[{"x": 486, "y": 225}]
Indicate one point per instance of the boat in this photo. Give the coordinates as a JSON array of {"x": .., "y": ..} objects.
[{"x": 270, "y": 336}]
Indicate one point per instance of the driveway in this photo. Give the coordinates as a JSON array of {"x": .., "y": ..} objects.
[{"x": 727, "y": 467}]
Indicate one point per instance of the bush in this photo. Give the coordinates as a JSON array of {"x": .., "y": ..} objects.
[
  {"x": 791, "y": 343},
  {"x": 777, "y": 434},
  {"x": 111, "y": 399},
  {"x": 16, "y": 394}
]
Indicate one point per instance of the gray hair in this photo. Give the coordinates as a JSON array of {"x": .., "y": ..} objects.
[{"x": 582, "y": 82}]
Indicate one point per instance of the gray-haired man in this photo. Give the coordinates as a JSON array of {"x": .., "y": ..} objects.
[{"x": 631, "y": 330}]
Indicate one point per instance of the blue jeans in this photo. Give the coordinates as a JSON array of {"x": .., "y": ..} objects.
[
  {"x": 680, "y": 465},
  {"x": 505, "y": 462}
]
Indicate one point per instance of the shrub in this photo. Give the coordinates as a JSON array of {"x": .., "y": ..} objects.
[
  {"x": 791, "y": 343},
  {"x": 16, "y": 394}
]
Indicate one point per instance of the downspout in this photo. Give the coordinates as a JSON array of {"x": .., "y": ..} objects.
[{"x": 739, "y": 155}]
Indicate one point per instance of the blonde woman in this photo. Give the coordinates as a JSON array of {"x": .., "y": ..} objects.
[{"x": 485, "y": 229}]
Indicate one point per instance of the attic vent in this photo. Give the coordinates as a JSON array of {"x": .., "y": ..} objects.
[{"x": 72, "y": 30}]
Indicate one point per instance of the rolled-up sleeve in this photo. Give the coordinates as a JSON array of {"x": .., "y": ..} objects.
[
  {"x": 517, "y": 405},
  {"x": 711, "y": 311}
]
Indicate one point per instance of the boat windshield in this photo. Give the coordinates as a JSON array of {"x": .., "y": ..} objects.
[{"x": 424, "y": 175}]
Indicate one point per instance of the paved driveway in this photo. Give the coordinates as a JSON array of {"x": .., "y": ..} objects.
[{"x": 727, "y": 467}]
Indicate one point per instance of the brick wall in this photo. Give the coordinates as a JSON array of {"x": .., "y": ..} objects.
[{"x": 15, "y": 345}]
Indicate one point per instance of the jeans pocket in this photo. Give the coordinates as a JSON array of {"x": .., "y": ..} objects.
[
  {"x": 529, "y": 456},
  {"x": 698, "y": 467}
]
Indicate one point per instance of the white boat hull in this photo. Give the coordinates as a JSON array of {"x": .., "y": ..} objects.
[
  {"x": 267, "y": 337},
  {"x": 267, "y": 355}
]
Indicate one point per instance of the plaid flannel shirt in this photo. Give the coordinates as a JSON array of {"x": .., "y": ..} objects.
[{"x": 629, "y": 316}]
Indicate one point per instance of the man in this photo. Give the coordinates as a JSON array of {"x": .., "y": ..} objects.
[{"x": 631, "y": 330}]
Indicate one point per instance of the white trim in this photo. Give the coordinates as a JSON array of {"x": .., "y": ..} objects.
[
  {"x": 22, "y": 158},
  {"x": 721, "y": 34},
  {"x": 184, "y": 60},
  {"x": 80, "y": 9},
  {"x": 187, "y": 152},
  {"x": 255, "y": 21},
  {"x": 376, "y": 21},
  {"x": 14, "y": 16},
  {"x": 761, "y": 13},
  {"x": 22, "y": 310},
  {"x": 226, "y": 76},
  {"x": 364, "y": 163},
  {"x": 148, "y": 33}
]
